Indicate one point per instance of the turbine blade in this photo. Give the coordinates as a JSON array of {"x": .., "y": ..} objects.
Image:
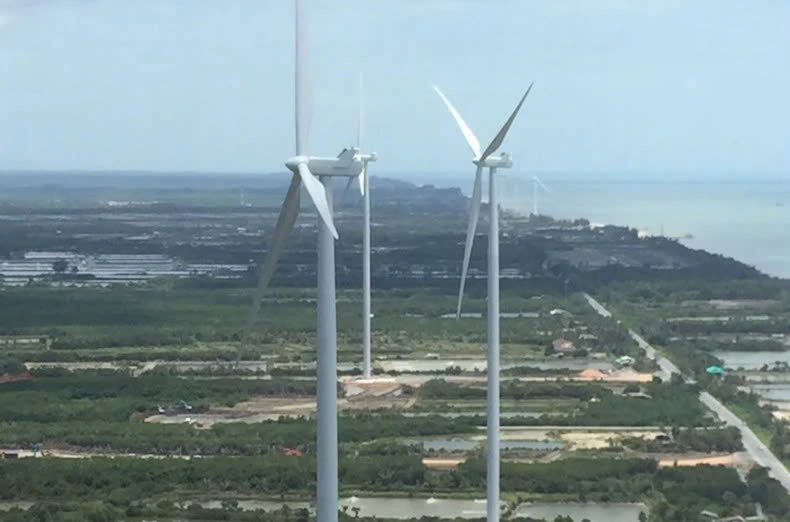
[
  {"x": 471, "y": 139},
  {"x": 303, "y": 83},
  {"x": 540, "y": 184},
  {"x": 285, "y": 223},
  {"x": 500, "y": 137},
  {"x": 348, "y": 187},
  {"x": 361, "y": 179},
  {"x": 474, "y": 213},
  {"x": 360, "y": 116},
  {"x": 317, "y": 193}
]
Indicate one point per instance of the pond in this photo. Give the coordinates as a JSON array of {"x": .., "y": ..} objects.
[
  {"x": 471, "y": 365},
  {"x": 382, "y": 507},
  {"x": 751, "y": 360},
  {"x": 481, "y": 413},
  {"x": 578, "y": 511},
  {"x": 773, "y": 392},
  {"x": 405, "y": 508}
]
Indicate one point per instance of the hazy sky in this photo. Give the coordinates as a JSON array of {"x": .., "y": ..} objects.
[{"x": 207, "y": 85}]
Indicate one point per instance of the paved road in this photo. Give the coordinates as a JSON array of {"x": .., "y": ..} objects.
[
  {"x": 667, "y": 367},
  {"x": 758, "y": 451}
]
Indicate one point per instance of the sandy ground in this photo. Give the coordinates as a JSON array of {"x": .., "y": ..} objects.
[
  {"x": 141, "y": 368},
  {"x": 8, "y": 506},
  {"x": 443, "y": 463},
  {"x": 731, "y": 460},
  {"x": 71, "y": 454},
  {"x": 601, "y": 440},
  {"x": 361, "y": 394},
  {"x": 624, "y": 375},
  {"x": 74, "y": 366},
  {"x": 576, "y": 438}
]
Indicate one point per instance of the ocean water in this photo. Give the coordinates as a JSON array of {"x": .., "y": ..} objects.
[{"x": 747, "y": 218}]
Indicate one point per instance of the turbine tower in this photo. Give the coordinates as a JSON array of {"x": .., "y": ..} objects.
[
  {"x": 493, "y": 162},
  {"x": 536, "y": 184},
  {"x": 315, "y": 174}
]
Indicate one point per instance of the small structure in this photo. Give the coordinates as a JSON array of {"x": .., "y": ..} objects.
[
  {"x": 625, "y": 360},
  {"x": 291, "y": 452},
  {"x": 24, "y": 376},
  {"x": 25, "y": 342},
  {"x": 714, "y": 370},
  {"x": 562, "y": 345}
]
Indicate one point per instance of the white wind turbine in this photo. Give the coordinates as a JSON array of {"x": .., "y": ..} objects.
[
  {"x": 493, "y": 162},
  {"x": 536, "y": 184},
  {"x": 364, "y": 189},
  {"x": 315, "y": 173}
]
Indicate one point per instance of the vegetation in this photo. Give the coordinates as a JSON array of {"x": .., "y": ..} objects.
[
  {"x": 61, "y": 396},
  {"x": 11, "y": 367},
  {"x": 202, "y": 319},
  {"x": 708, "y": 441},
  {"x": 669, "y": 405},
  {"x": 768, "y": 492}
]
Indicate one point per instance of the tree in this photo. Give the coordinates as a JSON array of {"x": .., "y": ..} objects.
[
  {"x": 60, "y": 266},
  {"x": 778, "y": 440}
]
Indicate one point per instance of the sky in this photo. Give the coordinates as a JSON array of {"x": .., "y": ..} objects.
[{"x": 180, "y": 85}]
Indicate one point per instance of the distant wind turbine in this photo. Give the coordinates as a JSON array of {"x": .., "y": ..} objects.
[
  {"x": 364, "y": 189},
  {"x": 537, "y": 183},
  {"x": 315, "y": 174},
  {"x": 482, "y": 160}
]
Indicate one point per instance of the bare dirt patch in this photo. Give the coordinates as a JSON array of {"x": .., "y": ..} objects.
[
  {"x": 731, "y": 460},
  {"x": 443, "y": 463},
  {"x": 361, "y": 395}
]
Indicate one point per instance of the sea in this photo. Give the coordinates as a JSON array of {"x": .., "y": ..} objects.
[{"x": 743, "y": 217}]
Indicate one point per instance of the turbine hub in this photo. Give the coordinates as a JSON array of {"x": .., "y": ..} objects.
[{"x": 294, "y": 162}]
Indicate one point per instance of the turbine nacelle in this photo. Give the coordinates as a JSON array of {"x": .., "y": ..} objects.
[
  {"x": 495, "y": 161},
  {"x": 367, "y": 157},
  {"x": 348, "y": 163}
]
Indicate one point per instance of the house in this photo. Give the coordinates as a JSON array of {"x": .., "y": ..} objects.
[
  {"x": 625, "y": 360},
  {"x": 638, "y": 395},
  {"x": 562, "y": 345}
]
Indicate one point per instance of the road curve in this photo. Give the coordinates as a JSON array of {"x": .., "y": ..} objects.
[{"x": 753, "y": 445}]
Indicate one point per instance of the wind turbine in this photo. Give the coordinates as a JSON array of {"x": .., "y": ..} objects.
[
  {"x": 537, "y": 183},
  {"x": 364, "y": 189},
  {"x": 487, "y": 159},
  {"x": 315, "y": 174}
]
